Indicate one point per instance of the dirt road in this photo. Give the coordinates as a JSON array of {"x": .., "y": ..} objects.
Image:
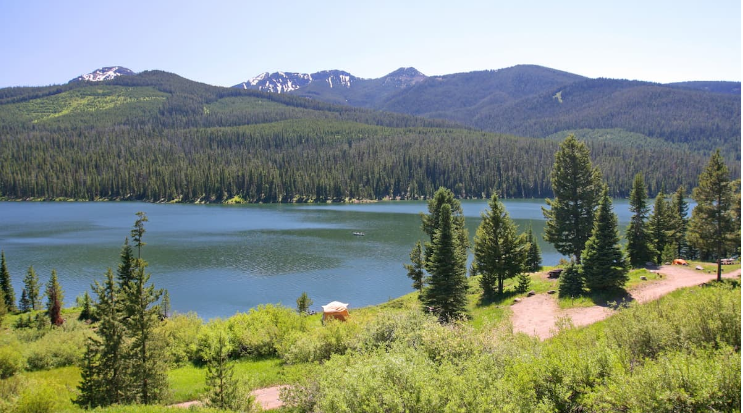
[{"x": 537, "y": 315}]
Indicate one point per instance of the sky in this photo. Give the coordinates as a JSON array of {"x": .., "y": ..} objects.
[{"x": 224, "y": 43}]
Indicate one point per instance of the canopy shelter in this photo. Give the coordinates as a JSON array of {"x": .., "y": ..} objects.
[{"x": 335, "y": 310}]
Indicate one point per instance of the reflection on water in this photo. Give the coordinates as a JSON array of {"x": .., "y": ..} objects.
[{"x": 217, "y": 260}]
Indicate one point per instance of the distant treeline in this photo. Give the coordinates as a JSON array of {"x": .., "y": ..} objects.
[{"x": 303, "y": 160}]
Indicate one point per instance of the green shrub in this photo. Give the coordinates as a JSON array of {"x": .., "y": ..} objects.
[
  {"x": 335, "y": 337},
  {"x": 390, "y": 327},
  {"x": 41, "y": 398},
  {"x": 59, "y": 347},
  {"x": 260, "y": 331},
  {"x": 11, "y": 360},
  {"x": 679, "y": 381},
  {"x": 697, "y": 317},
  {"x": 181, "y": 333}
]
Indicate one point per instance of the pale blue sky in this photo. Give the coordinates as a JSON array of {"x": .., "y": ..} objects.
[{"x": 227, "y": 42}]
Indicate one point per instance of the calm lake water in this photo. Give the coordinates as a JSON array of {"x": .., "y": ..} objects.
[{"x": 217, "y": 260}]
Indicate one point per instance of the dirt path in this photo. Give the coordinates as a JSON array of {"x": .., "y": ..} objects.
[
  {"x": 537, "y": 315},
  {"x": 268, "y": 398}
]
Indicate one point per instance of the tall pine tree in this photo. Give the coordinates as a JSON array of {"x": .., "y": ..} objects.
[
  {"x": 571, "y": 281},
  {"x": 660, "y": 226},
  {"x": 415, "y": 269},
  {"x": 6, "y": 285},
  {"x": 141, "y": 316},
  {"x": 55, "y": 300},
  {"x": 712, "y": 226},
  {"x": 33, "y": 289},
  {"x": 430, "y": 222},
  {"x": 125, "y": 270},
  {"x": 534, "y": 255},
  {"x": 24, "y": 305},
  {"x": 222, "y": 387},
  {"x": 639, "y": 250},
  {"x": 3, "y": 308},
  {"x": 500, "y": 253},
  {"x": 89, "y": 389},
  {"x": 680, "y": 210},
  {"x": 604, "y": 265},
  {"x": 447, "y": 287},
  {"x": 576, "y": 185}
]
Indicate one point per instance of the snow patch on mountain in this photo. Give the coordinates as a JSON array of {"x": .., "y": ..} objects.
[
  {"x": 278, "y": 82},
  {"x": 104, "y": 73}
]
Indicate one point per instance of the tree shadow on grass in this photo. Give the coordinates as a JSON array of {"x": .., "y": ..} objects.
[
  {"x": 497, "y": 299},
  {"x": 615, "y": 298}
]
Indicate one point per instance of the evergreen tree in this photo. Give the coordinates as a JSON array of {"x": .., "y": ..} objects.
[
  {"x": 165, "y": 305},
  {"x": 303, "y": 303},
  {"x": 110, "y": 344},
  {"x": 680, "y": 208},
  {"x": 24, "y": 304},
  {"x": 446, "y": 293},
  {"x": 3, "y": 308},
  {"x": 639, "y": 250},
  {"x": 660, "y": 225},
  {"x": 222, "y": 388},
  {"x": 90, "y": 393},
  {"x": 6, "y": 285},
  {"x": 33, "y": 289},
  {"x": 138, "y": 231},
  {"x": 415, "y": 270},
  {"x": 669, "y": 252},
  {"x": 577, "y": 186},
  {"x": 500, "y": 253},
  {"x": 86, "y": 314},
  {"x": 604, "y": 266},
  {"x": 736, "y": 220},
  {"x": 431, "y": 221},
  {"x": 534, "y": 254},
  {"x": 712, "y": 225},
  {"x": 571, "y": 281},
  {"x": 524, "y": 282},
  {"x": 55, "y": 300},
  {"x": 125, "y": 271},
  {"x": 145, "y": 354}
]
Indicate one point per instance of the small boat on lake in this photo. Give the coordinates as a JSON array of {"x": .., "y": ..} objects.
[{"x": 358, "y": 233}]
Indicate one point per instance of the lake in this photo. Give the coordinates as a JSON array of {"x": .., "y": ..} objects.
[{"x": 217, "y": 260}]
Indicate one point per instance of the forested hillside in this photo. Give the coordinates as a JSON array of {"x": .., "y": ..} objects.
[
  {"x": 700, "y": 120},
  {"x": 535, "y": 101},
  {"x": 159, "y": 137}
]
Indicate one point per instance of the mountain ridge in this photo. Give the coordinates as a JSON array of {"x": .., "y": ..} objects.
[{"x": 524, "y": 100}]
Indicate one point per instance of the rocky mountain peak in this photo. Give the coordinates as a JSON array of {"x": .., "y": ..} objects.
[
  {"x": 404, "y": 77},
  {"x": 104, "y": 73}
]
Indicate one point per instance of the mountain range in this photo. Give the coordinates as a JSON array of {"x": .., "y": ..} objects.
[
  {"x": 526, "y": 100},
  {"x": 536, "y": 101}
]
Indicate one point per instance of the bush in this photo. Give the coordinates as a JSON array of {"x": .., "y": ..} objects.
[
  {"x": 11, "y": 360},
  {"x": 336, "y": 337},
  {"x": 181, "y": 333},
  {"x": 261, "y": 331},
  {"x": 38, "y": 399},
  {"x": 59, "y": 347},
  {"x": 390, "y": 327},
  {"x": 678, "y": 381},
  {"x": 698, "y": 317}
]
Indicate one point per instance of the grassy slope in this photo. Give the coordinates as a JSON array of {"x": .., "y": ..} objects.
[{"x": 58, "y": 385}]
